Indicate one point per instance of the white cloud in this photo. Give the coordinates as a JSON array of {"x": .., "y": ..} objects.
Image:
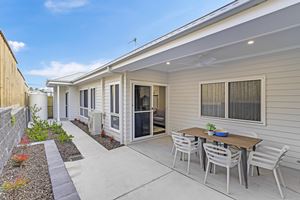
[
  {"x": 64, "y": 5},
  {"x": 16, "y": 46},
  {"x": 58, "y": 69}
]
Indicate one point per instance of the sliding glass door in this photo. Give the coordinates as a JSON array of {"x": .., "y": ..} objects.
[{"x": 142, "y": 119}]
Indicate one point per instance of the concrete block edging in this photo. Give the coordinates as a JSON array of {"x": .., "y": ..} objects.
[{"x": 62, "y": 185}]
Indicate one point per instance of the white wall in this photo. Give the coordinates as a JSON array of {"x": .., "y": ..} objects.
[
  {"x": 282, "y": 71},
  {"x": 62, "y": 108},
  {"x": 140, "y": 75},
  {"x": 98, "y": 98}
]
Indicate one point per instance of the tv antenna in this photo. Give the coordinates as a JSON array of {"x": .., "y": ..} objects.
[{"x": 133, "y": 41}]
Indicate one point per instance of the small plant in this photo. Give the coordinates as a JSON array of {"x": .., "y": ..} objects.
[
  {"x": 18, "y": 183},
  {"x": 13, "y": 120},
  {"x": 102, "y": 134},
  {"x": 19, "y": 159},
  {"x": 56, "y": 128},
  {"x": 24, "y": 140},
  {"x": 210, "y": 127},
  {"x": 37, "y": 133},
  {"x": 64, "y": 137},
  {"x": 111, "y": 139}
]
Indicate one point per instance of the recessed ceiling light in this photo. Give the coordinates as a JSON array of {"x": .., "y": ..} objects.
[
  {"x": 251, "y": 42},
  {"x": 168, "y": 63}
]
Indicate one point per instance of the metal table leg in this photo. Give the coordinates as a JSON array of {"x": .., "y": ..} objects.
[
  {"x": 244, "y": 163},
  {"x": 257, "y": 168}
]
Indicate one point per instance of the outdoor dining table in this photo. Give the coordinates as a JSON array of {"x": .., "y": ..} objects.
[{"x": 242, "y": 142}]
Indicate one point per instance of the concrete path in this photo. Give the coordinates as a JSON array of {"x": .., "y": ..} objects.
[{"x": 123, "y": 173}]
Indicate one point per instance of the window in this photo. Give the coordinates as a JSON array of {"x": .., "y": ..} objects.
[
  {"x": 114, "y": 106},
  {"x": 235, "y": 99},
  {"x": 93, "y": 98},
  {"x": 84, "y": 103}
]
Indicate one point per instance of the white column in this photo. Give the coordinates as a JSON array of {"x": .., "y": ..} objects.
[{"x": 57, "y": 104}]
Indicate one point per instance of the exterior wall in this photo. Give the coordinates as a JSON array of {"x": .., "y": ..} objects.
[
  {"x": 282, "y": 72},
  {"x": 10, "y": 134},
  {"x": 98, "y": 97},
  {"x": 140, "y": 75},
  {"x": 106, "y": 100},
  {"x": 13, "y": 89},
  {"x": 62, "y": 107}
]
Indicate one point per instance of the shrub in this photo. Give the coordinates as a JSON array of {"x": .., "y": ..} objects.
[
  {"x": 19, "y": 159},
  {"x": 37, "y": 133},
  {"x": 64, "y": 137},
  {"x": 56, "y": 128},
  {"x": 14, "y": 185}
]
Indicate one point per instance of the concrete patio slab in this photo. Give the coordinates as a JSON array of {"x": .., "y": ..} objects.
[{"x": 173, "y": 186}]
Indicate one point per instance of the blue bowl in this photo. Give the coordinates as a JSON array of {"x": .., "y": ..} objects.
[{"x": 221, "y": 133}]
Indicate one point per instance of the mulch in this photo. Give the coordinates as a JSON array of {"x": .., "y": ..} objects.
[
  {"x": 68, "y": 150},
  {"x": 106, "y": 141},
  {"x": 35, "y": 170}
]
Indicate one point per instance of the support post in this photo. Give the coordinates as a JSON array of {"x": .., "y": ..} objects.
[{"x": 57, "y": 103}]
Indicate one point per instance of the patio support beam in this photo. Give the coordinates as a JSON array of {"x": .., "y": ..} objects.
[{"x": 57, "y": 103}]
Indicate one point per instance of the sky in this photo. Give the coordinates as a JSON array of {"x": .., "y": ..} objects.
[{"x": 52, "y": 38}]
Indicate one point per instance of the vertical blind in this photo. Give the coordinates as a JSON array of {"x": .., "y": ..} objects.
[
  {"x": 245, "y": 100},
  {"x": 213, "y": 99}
]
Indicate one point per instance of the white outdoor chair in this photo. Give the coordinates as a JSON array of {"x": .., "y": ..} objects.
[
  {"x": 186, "y": 146},
  {"x": 192, "y": 138},
  {"x": 269, "y": 158},
  {"x": 223, "y": 157}
]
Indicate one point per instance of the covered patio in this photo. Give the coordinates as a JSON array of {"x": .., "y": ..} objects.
[{"x": 260, "y": 187}]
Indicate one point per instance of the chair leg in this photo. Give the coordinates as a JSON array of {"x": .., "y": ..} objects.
[
  {"x": 189, "y": 160},
  {"x": 200, "y": 158},
  {"x": 278, "y": 183},
  {"x": 173, "y": 147},
  {"x": 214, "y": 169},
  {"x": 240, "y": 173},
  {"x": 206, "y": 173},
  {"x": 252, "y": 170},
  {"x": 174, "y": 158},
  {"x": 228, "y": 178},
  {"x": 281, "y": 177}
]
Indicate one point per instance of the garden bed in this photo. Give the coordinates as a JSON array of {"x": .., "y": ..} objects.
[
  {"x": 108, "y": 142},
  {"x": 33, "y": 176}
]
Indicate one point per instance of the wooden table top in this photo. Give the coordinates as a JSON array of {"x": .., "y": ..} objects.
[{"x": 232, "y": 139}]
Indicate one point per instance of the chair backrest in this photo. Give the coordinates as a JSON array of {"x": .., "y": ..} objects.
[
  {"x": 181, "y": 143},
  {"x": 268, "y": 157},
  {"x": 219, "y": 155}
]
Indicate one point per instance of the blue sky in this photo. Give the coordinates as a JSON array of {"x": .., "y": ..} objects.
[{"x": 53, "y": 38}]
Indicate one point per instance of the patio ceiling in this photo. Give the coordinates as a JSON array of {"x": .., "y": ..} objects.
[{"x": 271, "y": 33}]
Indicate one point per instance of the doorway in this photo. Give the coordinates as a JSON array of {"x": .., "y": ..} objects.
[{"x": 149, "y": 110}]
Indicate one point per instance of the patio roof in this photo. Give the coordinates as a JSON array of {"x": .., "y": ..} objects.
[{"x": 227, "y": 28}]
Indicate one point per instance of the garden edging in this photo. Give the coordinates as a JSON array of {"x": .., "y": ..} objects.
[{"x": 62, "y": 184}]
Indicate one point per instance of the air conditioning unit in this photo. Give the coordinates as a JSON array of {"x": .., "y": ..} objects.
[{"x": 95, "y": 122}]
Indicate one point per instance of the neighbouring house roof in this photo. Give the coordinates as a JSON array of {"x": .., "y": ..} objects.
[
  {"x": 68, "y": 78},
  {"x": 218, "y": 15}
]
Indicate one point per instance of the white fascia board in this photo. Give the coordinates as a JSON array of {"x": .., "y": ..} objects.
[{"x": 49, "y": 83}]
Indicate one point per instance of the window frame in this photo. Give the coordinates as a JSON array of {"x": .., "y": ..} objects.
[
  {"x": 92, "y": 98},
  {"x": 82, "y": 106},
  {"x": 114, "y": 102},
  {"x": 227, "y": 81}
]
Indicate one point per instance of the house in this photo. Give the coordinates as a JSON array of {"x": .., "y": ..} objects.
[
  {"x": 237, "y": 67},
  {"x": 13, "y": 87}
]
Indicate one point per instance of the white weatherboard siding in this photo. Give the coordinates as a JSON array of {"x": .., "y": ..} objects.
[
  {"x": 143, "y": 76},
  {"x": 107, "y": 81},
  {"x": 282, "y": 72},
  {"x": 98, "y": 97}
]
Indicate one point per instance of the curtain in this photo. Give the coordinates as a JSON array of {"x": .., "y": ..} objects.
[
  {"x": 245, "y": 100},
  {"x": 213, "y": 99}
]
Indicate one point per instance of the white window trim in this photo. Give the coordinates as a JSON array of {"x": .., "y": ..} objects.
[
  {"x": 91, "y": 98},
  {"x": 82, "y": 107},
  {"x": 226, "y": 81},
  {"x": 111, "y": 113}
]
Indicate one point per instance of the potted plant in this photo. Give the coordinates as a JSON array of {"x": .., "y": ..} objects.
[{"x": 210, "y": 129}]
